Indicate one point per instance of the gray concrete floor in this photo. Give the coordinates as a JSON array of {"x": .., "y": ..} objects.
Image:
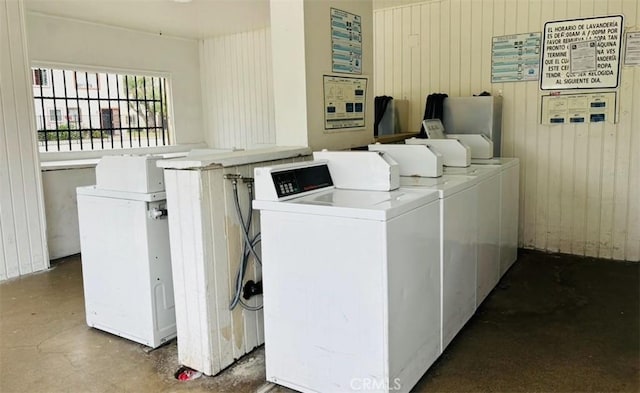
[{"x": 554, "y": 323}]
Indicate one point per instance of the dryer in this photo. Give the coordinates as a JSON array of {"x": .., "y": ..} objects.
[
  {"x": 509, "y": 207},
  {"x": 458, "y": 253},
  {"x": 488, "y": 224},
  {"x": 351, "y": 277}
]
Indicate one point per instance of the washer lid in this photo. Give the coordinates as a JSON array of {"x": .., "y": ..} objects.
[
  {"x": 370, "y": 205},
  {"x": 445, "y": 185},
  {"x": 480, "y": 171},
  {"x": 505, "y": 162}
]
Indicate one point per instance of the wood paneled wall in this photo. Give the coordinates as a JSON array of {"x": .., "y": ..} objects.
[
  {"x": 579, "y": 184},
  {"x": 23, "y": 244},
  {"x": 237, "y": 90}
]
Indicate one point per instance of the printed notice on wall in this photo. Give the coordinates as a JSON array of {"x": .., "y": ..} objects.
[
  {"x": 515, "y": 58},
  {"x": 579, "y": 108},
  {"x": 581, "y": 53},
  {"x": 632, "y": 51},
  {"x": 344, "y": 102},
  {"x": 346, "y": 42}
]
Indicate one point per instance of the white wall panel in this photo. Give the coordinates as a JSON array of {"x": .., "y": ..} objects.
[
  {"x": 580, "y": 184},
  {"x": 61, "y": 208},
  {"x": 238, "y": 90},
  {"x": 23, "y": 245}
]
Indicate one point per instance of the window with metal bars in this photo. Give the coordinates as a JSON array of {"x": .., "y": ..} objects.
[{"x": 79, "y": 110}]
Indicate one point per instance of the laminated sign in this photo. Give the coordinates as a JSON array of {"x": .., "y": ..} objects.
[{"x": 581, "y": 53}]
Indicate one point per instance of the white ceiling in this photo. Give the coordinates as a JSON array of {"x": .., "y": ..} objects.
[{"x": 196, "y": 19}]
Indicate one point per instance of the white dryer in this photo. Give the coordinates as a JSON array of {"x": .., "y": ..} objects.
[
  {"x": 488, "y": 242},
  {"x": 509, "y": 207},
  {"x": 458, "y": 252},
  {"x": 351, "y": 281}
]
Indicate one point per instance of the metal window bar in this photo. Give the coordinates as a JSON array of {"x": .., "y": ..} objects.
[
  {"x": 75, "y": 84},
  {"x": 66, "y": 105},
  {"x": 44, "y": 120},
  {"x": 55, "y": 112},
  {"x": 135, "y": 83},
  {"x": 120, "y": 109},
  {"x": 145, "y": 104}
]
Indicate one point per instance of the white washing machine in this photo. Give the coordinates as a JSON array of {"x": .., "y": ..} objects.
[
  {"x": 458, "y": 252},
  {"x": 351, "y": 279},
  {"x": 488, "y": 242},
  {"x": 509, "y": 207},
  {"x": 126, "y": 264}
]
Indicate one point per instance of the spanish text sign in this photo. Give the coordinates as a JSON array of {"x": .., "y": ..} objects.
[{"x": 581, "y": 53}]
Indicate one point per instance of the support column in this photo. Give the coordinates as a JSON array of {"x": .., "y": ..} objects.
[{"x": 301, "y": 53}]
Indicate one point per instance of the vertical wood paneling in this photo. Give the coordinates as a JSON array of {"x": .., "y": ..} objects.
[
  {"x": 434, "y": 51},
  {"x": 425, "y": 69},
  {"x": 378, "y": 53},
  {"x": 476, "y": 59},
  {"x": 594, "y": 173},
  {"x": 396, "y": 51},
  {"x": 23, "y": 246},
  {"x": 407, "y": 63},
  {"x": 487, "y": 32},
  {"x": 627, "y": 203},
  {"x": 465, "y": 50},
  {"x": 445, "y": 47},
  {"x": 237, "y": 90},
  {"x": 579, "y": 184},
  {"x": 556, "y": 175},
  {"x": 416, "y": 63},
  {"x": 454, "y": 49}
]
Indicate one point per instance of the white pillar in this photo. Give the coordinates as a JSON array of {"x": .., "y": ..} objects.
[{"x": 301, "y": 53}]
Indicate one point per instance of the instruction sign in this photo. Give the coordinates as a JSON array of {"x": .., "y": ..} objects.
[
  {"x": 344, "y": 102},
  {"x": 579, "y": 108},
  {"x": 581, "y": 53},
  {"x": 632, "y": 51},
  {"x": 346, "y": 42},
  {"x": 515, "y": 58}
]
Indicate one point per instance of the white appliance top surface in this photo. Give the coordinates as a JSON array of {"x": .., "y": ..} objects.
[
  {"x": 506, "y": 162},
  {"x": 445, "y": 185},
  {"x": 134, "y": 196},
  {"x": 371, "y": 205},
  {"x": 479, "y": 171},
  {"x": 233, "y": 158}
]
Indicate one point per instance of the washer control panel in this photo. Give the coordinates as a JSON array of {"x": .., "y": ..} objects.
[{"x": 299, "y": 180}]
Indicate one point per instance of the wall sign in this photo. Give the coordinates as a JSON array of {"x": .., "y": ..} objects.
[
  {"x": 344, "y": 102},
  {"x": 515, "y": 58},
  {"x": 581, "y": 53},
  {"x": 346, "y": 42},
  {"x": 579, "y": 108},
  {"x": 632, "y": 50}
]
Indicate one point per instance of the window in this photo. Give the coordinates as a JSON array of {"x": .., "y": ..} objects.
[
  {"x": 73, "y": 116},
  {"x": 86, "y": 80},
  {"x": 97, "y": 110},
  {"x": 55, "y": 115},
  {"x": 40, "y": 77}
]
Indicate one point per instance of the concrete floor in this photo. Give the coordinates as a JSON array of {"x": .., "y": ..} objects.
[{"x": 554, "y": 323}]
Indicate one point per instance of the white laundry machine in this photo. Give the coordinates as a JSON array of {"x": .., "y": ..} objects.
[
  {"x": 458, "y": 252},
  {"x": 126, "y": 263},
  {"x": 509, "y": 207},
  {"x": 351, "y": 278},
  {"x": 488, "y": 242}
]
